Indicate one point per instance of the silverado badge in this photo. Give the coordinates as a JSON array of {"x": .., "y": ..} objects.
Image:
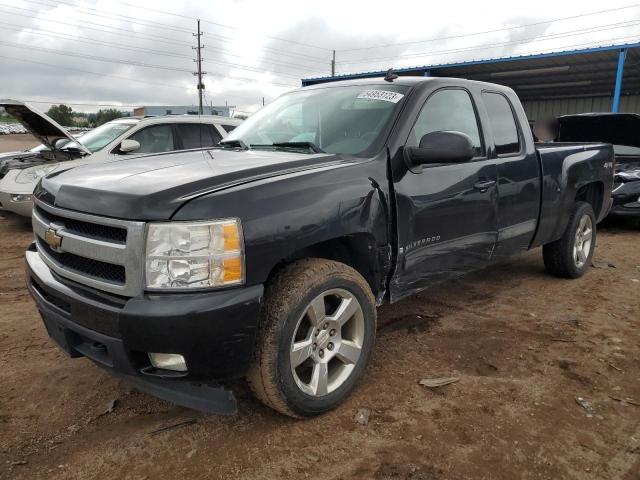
[{"x": 52, "y": 238}]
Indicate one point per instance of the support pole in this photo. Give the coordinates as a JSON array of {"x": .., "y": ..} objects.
[
  {"x": 199, "y": 73},
  {"x": 333, "y": 64},
  {"x": 619, "y": 74}
]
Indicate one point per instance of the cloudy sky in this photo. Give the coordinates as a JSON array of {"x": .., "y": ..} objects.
[{"x": 125, "y": 53}]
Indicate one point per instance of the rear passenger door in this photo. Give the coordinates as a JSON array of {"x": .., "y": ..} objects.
[
  {"x": 518, "y": 175},
  {"x": 197, "y": 135},
  {"x": 447, "y": 213}
]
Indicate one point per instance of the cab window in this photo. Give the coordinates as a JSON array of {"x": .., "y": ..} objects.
[
  {"x": 448, "y": 110},
  {"x": 503, "y": 123}
]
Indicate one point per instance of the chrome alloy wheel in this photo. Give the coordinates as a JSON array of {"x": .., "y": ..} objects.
[
  {"x": 583, "y": 239},
  {"x": 327, "y": 342}
]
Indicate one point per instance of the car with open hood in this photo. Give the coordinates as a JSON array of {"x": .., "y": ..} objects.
[
  {"x": 119, "y": 139},
  {"x": 622, "y": 130}
]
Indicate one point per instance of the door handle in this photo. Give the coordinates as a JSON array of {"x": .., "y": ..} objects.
[{"x": 484, "y": 185}]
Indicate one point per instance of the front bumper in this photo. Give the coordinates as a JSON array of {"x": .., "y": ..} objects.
[
  {"x": 20, "y": 208},
  {"x": 214, "y": 331}
]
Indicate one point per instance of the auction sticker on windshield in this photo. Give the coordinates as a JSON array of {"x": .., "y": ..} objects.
[{"x": 393, "y": 97}]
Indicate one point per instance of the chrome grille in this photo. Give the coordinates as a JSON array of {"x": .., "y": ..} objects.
[
  {"x": 99, "y": 252},
  {"x": 92, "y": 230}
]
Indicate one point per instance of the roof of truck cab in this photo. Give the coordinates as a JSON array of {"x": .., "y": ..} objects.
[{"x": 408, "y": 81}]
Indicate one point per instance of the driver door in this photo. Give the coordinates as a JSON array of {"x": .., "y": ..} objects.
[{"x": 447, "y": 219}]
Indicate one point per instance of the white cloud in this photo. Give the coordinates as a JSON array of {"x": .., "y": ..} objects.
[{"x": 249, "y": 62}]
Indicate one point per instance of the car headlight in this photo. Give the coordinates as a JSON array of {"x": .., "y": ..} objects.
[
  {"x": 629, "y": 175},
  {"x": 32, "y": 174},
  {"x": 194, "y": 254}
]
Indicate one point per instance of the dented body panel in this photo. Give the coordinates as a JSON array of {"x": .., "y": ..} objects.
[{"x": 402, "y": 229}]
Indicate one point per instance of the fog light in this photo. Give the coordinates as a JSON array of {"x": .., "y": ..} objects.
[
  {"x": 21, "y": 198},
  {"x": 168, "y": 361}
]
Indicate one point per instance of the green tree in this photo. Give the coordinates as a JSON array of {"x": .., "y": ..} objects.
[
  {"x": 61, "y": 114},
  {"x": 104, "y": 116}
]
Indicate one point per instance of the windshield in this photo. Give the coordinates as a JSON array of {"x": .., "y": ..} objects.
[
  {"x": 341, "y": 120},
  {"x": 100, "y": 137}
]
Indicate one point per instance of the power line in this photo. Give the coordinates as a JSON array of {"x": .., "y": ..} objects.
[
  {"x": 162, "y": 25},
  {"x": 95, "y": 57},
  {"x": 133, "y": 20},
  {"x": 65, "y": 36},
  {"x": 125, "y": 62},
  {"x": 168, "y": 40},
  {"x": 154, "y": 38},
  {"x": 272, "y": 37},
  {"x": 145, "y": 50},
  {"x": 84, "y": 39},
  {"x": 100, "y": 74},
  {"x": 504, "y": 29},
  {"x": 553, "y": 36}
]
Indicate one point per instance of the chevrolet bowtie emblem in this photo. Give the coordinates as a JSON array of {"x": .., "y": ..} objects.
[{"x": 52, "y": 238}]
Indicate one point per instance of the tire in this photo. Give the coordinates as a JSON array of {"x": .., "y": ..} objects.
[
  {"x": 570, "y": 256},
  {"x": 294, "y": 302}
]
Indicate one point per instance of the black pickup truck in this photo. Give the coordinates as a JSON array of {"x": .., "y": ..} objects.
[{"x": 266, "y": 257}]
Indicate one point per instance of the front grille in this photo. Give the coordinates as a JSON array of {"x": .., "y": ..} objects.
[
  {"x": 102, "y": 253},
  {"x": 86, "y": 229},
  {"x": 86, "y": 266}
]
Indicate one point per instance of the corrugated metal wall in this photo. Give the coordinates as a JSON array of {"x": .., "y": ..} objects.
[{"x": 537, "y": 109}]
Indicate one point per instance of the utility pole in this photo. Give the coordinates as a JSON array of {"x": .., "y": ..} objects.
[
  {"x": 333, "y": 64},
  {"x": 199, "y": 73}
]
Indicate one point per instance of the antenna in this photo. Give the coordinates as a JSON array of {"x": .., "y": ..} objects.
[{"x": 390, "y": 76}]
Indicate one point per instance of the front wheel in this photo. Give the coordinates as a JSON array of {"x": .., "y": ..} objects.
[
  {"x": 318, "y": 331},
  {"x": 570, "y": 256}
]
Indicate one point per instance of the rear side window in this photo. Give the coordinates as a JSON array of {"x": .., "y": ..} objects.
[
  {"x": 448, "y": 110},
  {"x": 197, "y": 135},
  {"x": 503, "y": 123},
  {"x": 228, "y": 128}
]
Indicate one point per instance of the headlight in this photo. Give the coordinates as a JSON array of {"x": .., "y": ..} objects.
[
  {"x": 194, "y": 254},
  {"x": 629, "y": 175},
  {"x": 32, "y": 174}
]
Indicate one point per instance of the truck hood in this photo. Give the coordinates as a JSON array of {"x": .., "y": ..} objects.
[
  {"x": 39, "y": 125},
  {"x": 154, "y": 187},
  {"x": 614, "y": 128}
]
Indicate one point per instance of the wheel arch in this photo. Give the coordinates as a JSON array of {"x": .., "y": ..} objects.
[{"x": 357, "y": 250}]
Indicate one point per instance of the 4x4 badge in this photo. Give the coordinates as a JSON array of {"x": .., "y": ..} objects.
[{"x": 52, "y": 238}]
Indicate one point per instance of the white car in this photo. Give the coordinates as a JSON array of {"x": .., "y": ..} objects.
[{"x": 115, "y": 140}]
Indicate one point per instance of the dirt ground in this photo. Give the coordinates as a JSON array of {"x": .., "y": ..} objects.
[
  {"x": 524, "y": 344},
  {"x": 17, "y": 142}
]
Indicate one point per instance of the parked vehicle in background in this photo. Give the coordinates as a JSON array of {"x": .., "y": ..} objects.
[
  {"x": 266, "y": 256},
  {"x": 622, "y": 130},
  {"x": 116, "y": 140}
]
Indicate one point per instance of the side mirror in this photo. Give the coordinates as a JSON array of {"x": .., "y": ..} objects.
[
  {"x": 59, "y": 143},
  {"x": 128, "y": 146},
  {"x": 437, "y": 148}
]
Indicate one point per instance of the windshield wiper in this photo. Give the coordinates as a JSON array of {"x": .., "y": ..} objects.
[
  {"x": 233, "y": 144},
  {"x": 295, "y": 145}
]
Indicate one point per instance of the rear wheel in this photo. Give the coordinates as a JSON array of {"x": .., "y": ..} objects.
[
  {"x": 319, "y": 329},
  {"x": 571, "y": 255}
]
